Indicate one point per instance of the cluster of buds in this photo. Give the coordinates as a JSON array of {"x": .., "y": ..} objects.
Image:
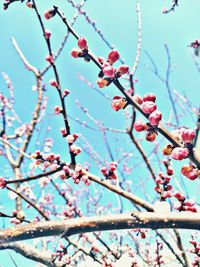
[
  {"x": 110, "y": 173},
  {"x": 149, "y": 107},
  {"x": 190, "y": 171},
  {"x": 195, "y": 250},
  {"x": 108, "y": 70},
  {"x": 118, "y": 103},
  {"x": 185, "y": 136},
  {"x": 79, "y": 174},
  {"x": 183, "y": 204},
  {"x": 48, "y": 14},
  {"x": 71, "y": 138},
  {"x": 47, "y": 160},
  {"x": 17, "y": 217},
  {"x": 61, "y": 255},
  {"x": 162, "y": 186},
  {"x": 82, "y": 51}
]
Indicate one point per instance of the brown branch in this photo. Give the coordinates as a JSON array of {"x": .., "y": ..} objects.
[
  {"x": 32, "y": 253},
  {"x": 142, "y": 203},
  {"x": 152, "y": 220},
  {"x": 31, "y": 178},
  {"x": 58, "y": 87},
  {"x": 28, "y": 201},
  {"x": 181, "y": 247},
  {"x": 138, "y": 146}
]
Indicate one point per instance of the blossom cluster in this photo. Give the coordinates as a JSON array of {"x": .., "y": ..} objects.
[{"x": 110, "y": 172}]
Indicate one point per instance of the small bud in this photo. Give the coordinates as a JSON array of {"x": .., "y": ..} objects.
[
  {"x": 109, "y": 71},
  {"x": 2, "y": 182},
  {"x": 47, "y": 34},
  {"x": 82, "y": 43},
  {"x": 29, "y": 4},
  {"x": 76, "y": 53},
  {"x": 48, "y": 14},
  {"x": 140, "y": 126},
  {"x": 66, "y": 92},
  {"x": 118, "y": 103},
  {"x": 138, "y": 99},
  {"x": 123, "y": 69},
  {"x": 151, "y": 136},
  {"x": 75, "y": 149},
  {"x": 149, "y": 97},
  {"x": 167, "y": 150},
  {"x": 58, "y": 109},
  {"x": 53, "y": 82},
  {"x": 113, "y": 56},
  {"x": 179, "y": 153},
  {"x": 155, "y": 117},
  {"x": 102, "y": 83},
  {"x": 49, "y": 58},
  {"x": 148, "y": 107},
  {"x": 188, "y": 135}
]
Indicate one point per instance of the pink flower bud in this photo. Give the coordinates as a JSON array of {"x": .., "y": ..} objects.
[
  {"x": 29, "y": 4},
  {"x": 101, "y": 60},
  {"x": 113, "y": 56},
  {"x": 188, "y": 135},
  {"x": 149, "y": 97},
  {"x": 104, "y": 171},
  {"x": 155, "y": 117},
  {"x": 48, "y": 14},
  {"x": 63, "y": 132},
  {"x": 123, "y": 69},
  {"x": 75, "y": 149},
  {"x": 140, "y": 126},
  {"x": 82, "y": 43},
  {"x": 109, "y": 71},
  {"x": 138, "y": 99},
  {"x": 53, "y": 82},
  {"x": 70, "y": 139},
  {"x": 57, "y": 109},
  {"x": 190, "y": 171},
  {"x": 66, "y": 92},
  {"x": 47, "y": 34},
  {"x": 151, "y": 136},
  {"x": 148, "y": 107},
  {"x": 180, "y": 153},
  {"x": 118, "y": 103},
  {"x": 102, "y": 83},
  {"x": 179, "y": 196},
  {"x": 166, "y": 194},
  {"x": 75, "y": 53},
  {"x": 2, "y": 182},
  {"x": 49, "y": 58}
]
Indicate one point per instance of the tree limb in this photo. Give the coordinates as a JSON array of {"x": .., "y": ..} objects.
[{"x": 152, "y": 220}]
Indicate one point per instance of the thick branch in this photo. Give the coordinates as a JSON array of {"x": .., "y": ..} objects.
[
  {"x": 152, "y": 220},
  {"x": 32, "y": 253}
]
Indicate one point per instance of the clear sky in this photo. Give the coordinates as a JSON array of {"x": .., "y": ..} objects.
[{"x": 118, "y": 23}]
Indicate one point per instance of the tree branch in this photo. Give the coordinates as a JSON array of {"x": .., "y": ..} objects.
[{"x": 152, "y": 220}]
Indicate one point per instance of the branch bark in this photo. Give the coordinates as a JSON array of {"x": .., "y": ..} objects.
[{"x": 65, "y": 228}]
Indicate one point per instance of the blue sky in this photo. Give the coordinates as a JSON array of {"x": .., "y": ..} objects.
[{"x": 118, "y": 22}]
